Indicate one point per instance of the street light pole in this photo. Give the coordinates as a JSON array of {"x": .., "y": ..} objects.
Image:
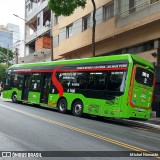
[
  {"x": 26, "y": 21},
  {"x": 7, "y": 58},
  {"x": 19, "y": 17},
  {"x": 16, "y": 54},
  {"x": 34, "y": 29}
]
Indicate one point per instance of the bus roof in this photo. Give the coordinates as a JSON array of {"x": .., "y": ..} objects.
[{"x": 128, "y": 57}]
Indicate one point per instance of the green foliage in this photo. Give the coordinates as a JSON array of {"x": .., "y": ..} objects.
[
  {"x": 3, "y": 55},
  {"x": 65, "y": 7},
  {"x": 2, "y": 71}
]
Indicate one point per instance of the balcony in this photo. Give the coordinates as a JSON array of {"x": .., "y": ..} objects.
[
  {"x": 38, "y": 33},
  {"x": 144, "y": 10},
  {"x": 36, "y": 10}
]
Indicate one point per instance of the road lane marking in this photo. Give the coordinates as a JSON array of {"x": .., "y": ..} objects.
[{"x": 122, "y": 144}]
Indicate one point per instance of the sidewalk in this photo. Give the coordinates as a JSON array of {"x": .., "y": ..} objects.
[
  {"x": 152, "y": 123},
  {"x": 155, "y": 120}
]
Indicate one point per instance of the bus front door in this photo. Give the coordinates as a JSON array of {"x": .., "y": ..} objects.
[
  {"x": 45, "y": 88},
  {"x": 25, "y": 90}
]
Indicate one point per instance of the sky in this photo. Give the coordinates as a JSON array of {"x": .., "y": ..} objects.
[{"x": 10, "y": 7}]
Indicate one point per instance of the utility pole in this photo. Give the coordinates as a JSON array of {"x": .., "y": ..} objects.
[
  {"x": 51, "y": 37},
  {"x": 7, "y": 57},
  {"x": 16, "y": 55}
]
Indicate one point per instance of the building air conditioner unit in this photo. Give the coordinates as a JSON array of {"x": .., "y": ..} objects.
[{"x": 47, "y": 23}]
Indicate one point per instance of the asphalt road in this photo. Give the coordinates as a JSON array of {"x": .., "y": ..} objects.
[{"x": 27, "y": 128}]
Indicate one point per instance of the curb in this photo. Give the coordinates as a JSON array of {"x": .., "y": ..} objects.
[
  {"x": 5, "y": 99},
  {"x": 141, "y": 123}
]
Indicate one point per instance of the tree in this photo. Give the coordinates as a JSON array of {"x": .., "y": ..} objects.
[
  {"x": 2, "y": 71},
  {"x": 5, "y": 55},
  {"x": 67, "y": 7}
]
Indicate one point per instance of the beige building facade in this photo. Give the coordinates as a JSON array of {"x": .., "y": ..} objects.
[{"x": 127, "y": 26}]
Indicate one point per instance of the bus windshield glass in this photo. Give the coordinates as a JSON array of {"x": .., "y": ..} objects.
[{"x": 144, "y": 77}]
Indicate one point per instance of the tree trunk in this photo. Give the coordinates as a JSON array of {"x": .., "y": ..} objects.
[
  {"x": 93, "y": 29},
  {"x": 51, "y": 37}
]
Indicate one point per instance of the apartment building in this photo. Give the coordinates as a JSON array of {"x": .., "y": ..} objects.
[
  {"x": 6, "y": 38},
  {"x": 15, "y": 30},
  {"x": 128, "y": 26},
  {"x": 37, "y": 31}
]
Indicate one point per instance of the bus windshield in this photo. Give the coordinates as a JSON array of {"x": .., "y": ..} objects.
[{"x": 144, "y": 76}]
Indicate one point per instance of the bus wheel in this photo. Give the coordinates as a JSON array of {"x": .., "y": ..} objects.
[
  {"x": 62, "y": 105},
  {"x": 14, "y": 97},
  {"x": 77, "y": 108}
]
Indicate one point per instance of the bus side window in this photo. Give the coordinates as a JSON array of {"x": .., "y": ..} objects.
[
  {"x": 63, "y": 79},
  {"x": 7, "y": 82},
  {"x": 115, "y": 80},
  {"x": 97, "y": 80},
  {"x": 35, "y": 82},
  {"x": 14, "y": 80},
  {"x": 82, "y": 80},
  {"x": 20, "y": 81}
]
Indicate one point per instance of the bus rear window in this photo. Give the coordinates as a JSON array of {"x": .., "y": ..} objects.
[{"x": 144, "y": 76}]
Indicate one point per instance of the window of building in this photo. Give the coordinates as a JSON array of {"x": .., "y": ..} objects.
[
  {"x": 108, "y": 11},
  {"x": 56, "y": 41},
  {"x": 144, "y": 47},
  {"x": 38, "y": 21},
  {"x": 46, "y": 17},
  {"x": 153, "y": 1},
  {"x": 29, "y": 6},
  {"x": 141, "y": 48},
  {"x": 69, "y": 31},
  {"x": 86, "y": 22},
  {"x": 38, "y": 1},
  {"x": 55, "y": 20},
  {"x": 132, "y": 6}
]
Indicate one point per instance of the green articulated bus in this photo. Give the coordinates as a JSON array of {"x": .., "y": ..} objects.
[{"x": 119, "y": 86}]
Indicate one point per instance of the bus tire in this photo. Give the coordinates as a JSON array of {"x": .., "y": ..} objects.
[
  {"x": 77, "y": 108},
  {"x": 14, "y": 97},
  {"x": 62, "y": 105}
]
